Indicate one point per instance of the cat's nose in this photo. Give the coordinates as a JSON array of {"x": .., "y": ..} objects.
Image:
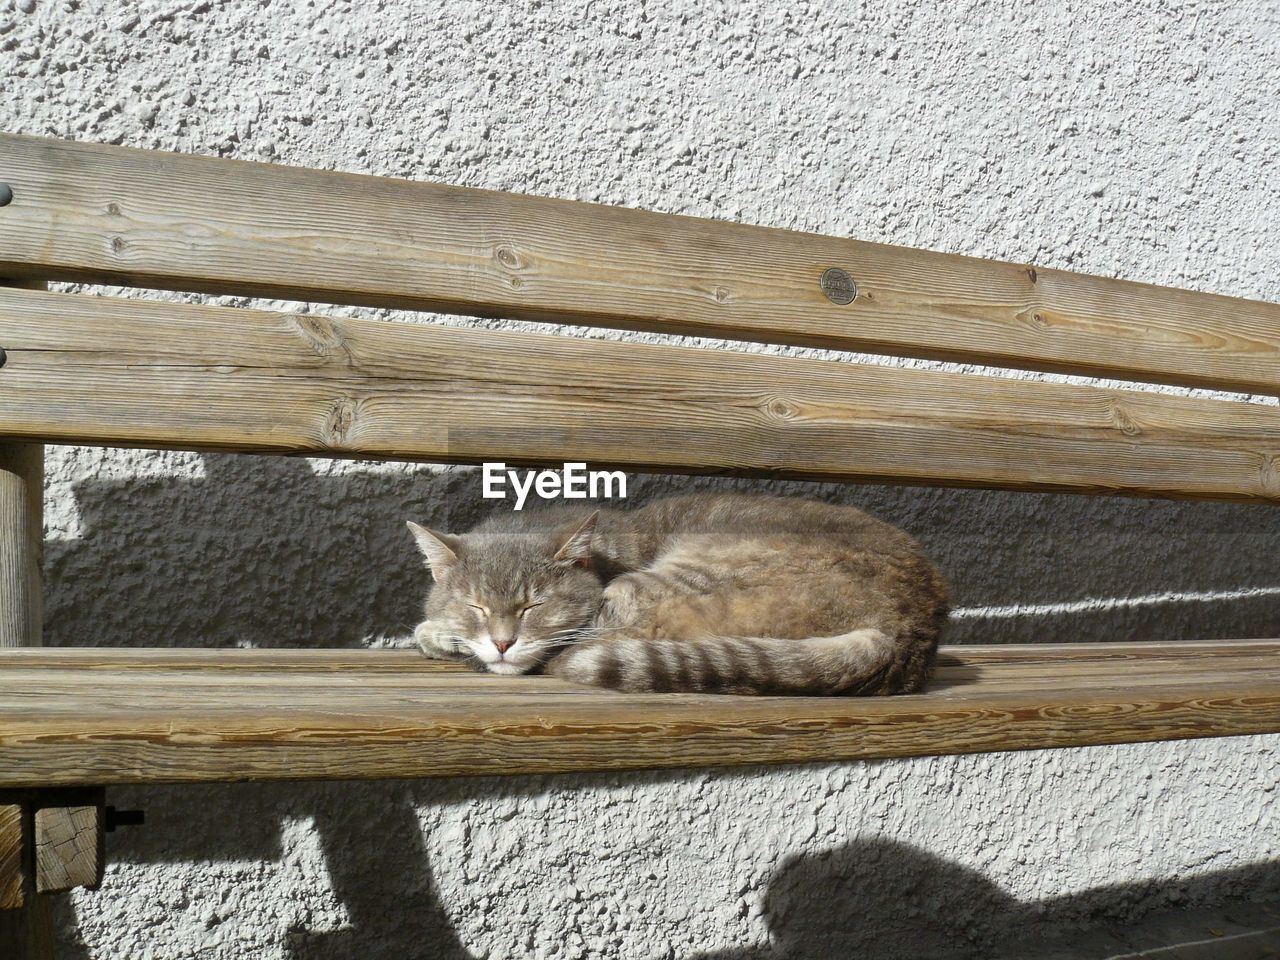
[{"x": 503, "y": 632}]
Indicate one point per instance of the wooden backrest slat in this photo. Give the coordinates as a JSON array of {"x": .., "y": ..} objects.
[
  {"x": 138, "y": 373},
  {"x": 116, "y": 215}
]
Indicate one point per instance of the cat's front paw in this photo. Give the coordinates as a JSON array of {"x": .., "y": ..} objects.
[{"x": 433, "y": 644}]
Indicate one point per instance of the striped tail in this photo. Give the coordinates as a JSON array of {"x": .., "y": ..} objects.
[{"x": 864, "y": 661}]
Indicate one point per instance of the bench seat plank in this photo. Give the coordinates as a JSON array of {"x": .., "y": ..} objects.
[
  {"x": 82, "y": 716},
  {"x": 108, "y": 214},
  {"x": 136, "y": 373}
]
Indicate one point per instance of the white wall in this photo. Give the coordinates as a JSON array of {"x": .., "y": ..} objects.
[{"x": 1128, "y": 139}]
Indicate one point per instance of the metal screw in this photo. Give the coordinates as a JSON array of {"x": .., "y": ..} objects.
[
  {"x": 838, "y": 286},
  {"x": 4, "y": 357},
  {"x": 6, "y": 194}
]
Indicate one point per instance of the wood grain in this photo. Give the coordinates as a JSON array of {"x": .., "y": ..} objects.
[
  {"x": 21, "y": 541},
  {"x": 69, "y": 842},
  {"x": 21, "y": 532},
  {"x": 137, "y": 373},
  {"x": 87, "y": 716},
  {"x": 26, "y": 918},
  {"x": 397, "y": 661},
  {"x": 144, "y": 218},
  {"x": 11, "y": 873}
]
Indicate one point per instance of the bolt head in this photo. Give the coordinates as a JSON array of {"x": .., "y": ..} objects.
[{"x": 6, "y": 194}]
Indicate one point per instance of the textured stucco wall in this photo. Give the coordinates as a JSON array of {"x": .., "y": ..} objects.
[{"x": 1130, "y": 139}]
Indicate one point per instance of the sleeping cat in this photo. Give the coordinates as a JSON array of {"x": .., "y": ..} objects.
[{"x": 721, "y": 593}]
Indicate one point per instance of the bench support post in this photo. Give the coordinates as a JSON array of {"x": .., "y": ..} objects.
[
  {"x": 26, "y": 922},
  {"x": 26, "y": 927},
  {"x": 21, "y": 543}
]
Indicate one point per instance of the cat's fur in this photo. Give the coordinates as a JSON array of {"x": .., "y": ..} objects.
[{"x": 719, "y": 593}]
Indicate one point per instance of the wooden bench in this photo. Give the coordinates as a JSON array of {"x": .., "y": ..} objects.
[{"x": 129, "y": 372}]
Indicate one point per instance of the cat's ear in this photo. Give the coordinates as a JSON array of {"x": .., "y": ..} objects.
[
  {"x": 440, "y": 549},
  {"x": 577, "y": 548}
]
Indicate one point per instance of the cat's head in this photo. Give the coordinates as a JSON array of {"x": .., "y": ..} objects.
[{"x": 509, "y": 600}]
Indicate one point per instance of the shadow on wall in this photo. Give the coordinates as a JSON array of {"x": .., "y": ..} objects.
[
  {"x": 881, "y": 900},
  {"x": 375, "y": 861},
  {"x": 874, "y": 899},
  {"x": 266, "y": 552}
]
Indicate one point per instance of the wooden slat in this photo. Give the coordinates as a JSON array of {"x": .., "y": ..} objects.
[
  {"x": 121, "y": 216},
  {"x": 398, "y": 661},
  {"x": 385, "y": 680},
  {"x": 107, "y": 716},
  {"x": 121, "y": 372},
  {"x": 307, "y": 694},
  {"x": 386, "y": 676}
]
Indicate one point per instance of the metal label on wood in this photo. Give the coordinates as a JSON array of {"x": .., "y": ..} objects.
[{"x": 838, "y": 286}]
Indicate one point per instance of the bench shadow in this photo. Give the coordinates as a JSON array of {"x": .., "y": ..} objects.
[
  {"x": 380, "y": 871},
  {"x": 883, "y": 900},
  {"x": 373, "y": 859},
  {"x": 872, "y": 898}
]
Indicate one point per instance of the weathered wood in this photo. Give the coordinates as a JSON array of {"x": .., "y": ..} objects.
[
  {"x": 1113, "y": 656},
  {"x": 11, "y": 873},
  {"x": 21, "y": 531},
  {"x": 122, "y": 372},
  {"x": 105, "y": 716},
  {"x": 144, "y": 218},
  {"x": 26, "y": 927},
  {"x": 27, "y": 934},
  {"x": 69, "y": 841},
  {"x": 301, "y": 673},
  {"x": 26, "y": 917},
  {"x": 21, "y": 541}
]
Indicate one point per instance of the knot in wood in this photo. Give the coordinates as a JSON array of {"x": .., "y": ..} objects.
[
  {"x": 781, "y": 409},
  {"x": 321, "y": 334},
  {"x": 1123, "y": 422},
  {"x": 341, "y": 420},
  {"x": 1031, "y": 317},
  {"x": 508, "y": 257},
  {"x": 1269, "y": 474}
]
